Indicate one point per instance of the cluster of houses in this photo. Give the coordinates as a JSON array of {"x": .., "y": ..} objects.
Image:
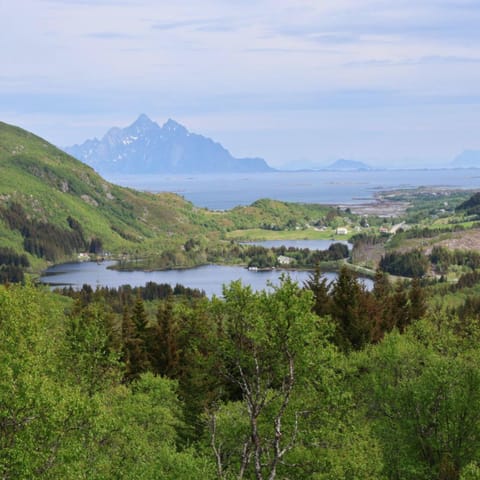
[{"x": 382, "y": 229}]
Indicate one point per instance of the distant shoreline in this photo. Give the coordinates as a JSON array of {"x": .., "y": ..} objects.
[{"x": 357, "y": 190}]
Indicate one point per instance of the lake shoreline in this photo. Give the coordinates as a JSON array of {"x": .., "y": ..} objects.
[{"x": 209, "y": 277}]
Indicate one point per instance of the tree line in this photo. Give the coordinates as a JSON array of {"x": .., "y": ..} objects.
[
  {"x": 12, "y": 265},
  {"x": 322, "y": 380},
  {"x": 263, "y": 257},
  {"x": 47, "y": 240}
]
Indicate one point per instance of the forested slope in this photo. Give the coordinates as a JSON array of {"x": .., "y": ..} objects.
[
  {"x": 50, "y": 186},
  {"x": 324, "y": 382},
  {"x": 53, "y": 207}
]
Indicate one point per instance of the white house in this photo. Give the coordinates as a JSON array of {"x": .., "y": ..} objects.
[
  {"x": 342, "y": 231},
  {"x": 282, "y": 260}
]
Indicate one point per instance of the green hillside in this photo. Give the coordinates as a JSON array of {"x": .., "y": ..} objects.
[
  {"x": 53, "y": 207},
  {"x": 51, "y": 187}
]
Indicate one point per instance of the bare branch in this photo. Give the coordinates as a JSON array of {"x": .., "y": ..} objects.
[
  {"x": 287, "y": 386},
  {"x": 213, "y": 442}
]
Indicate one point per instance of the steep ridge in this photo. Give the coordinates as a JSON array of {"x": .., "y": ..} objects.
[
  {"x": 45, "y": 192},
  {"x": 145, "y": 147}
]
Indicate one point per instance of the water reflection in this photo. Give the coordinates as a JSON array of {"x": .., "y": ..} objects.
[{"x": 209, "y": 278}]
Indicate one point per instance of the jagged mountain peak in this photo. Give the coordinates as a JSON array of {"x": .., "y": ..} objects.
[
  {"x": 145, "y": 147},
  {"x": 142, "y": 124},
  {"x": 143, "y": 119},
  {"x": 112, "y": 134},
  {"x": 68, "y": 205},
  {"x": 174, "y": 127}
]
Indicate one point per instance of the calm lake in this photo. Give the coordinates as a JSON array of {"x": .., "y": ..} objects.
[
  {"x": 227, "y": 191},
  {"x": 222, "y": 192},
  {"x": 209, "y": 278}
]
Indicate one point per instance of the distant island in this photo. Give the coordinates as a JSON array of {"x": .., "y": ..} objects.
[
  {"x": 467, "y": 159},
  {"x": 348, "y": 165},
  {"x": 146, "y": 148}
]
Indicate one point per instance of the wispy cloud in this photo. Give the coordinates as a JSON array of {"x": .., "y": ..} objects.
[
  {"x": 366, "y": 21},
  {"x": 291, "y": 50},
  {"x": 319, "y": 34},
  {"x": 110, "y": 35},
  {"x": 91, "y": 2},
  {"x": 174, "y": 25},
  {"x": 295, "y": 62},
  {"x": 429, "y": 60},
  {"x": 205, "y": 25}
]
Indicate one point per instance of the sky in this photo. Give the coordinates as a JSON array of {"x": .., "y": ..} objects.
[{"x": 297, "y": 82}]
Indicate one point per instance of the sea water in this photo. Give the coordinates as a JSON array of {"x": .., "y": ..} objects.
[{"x": 225, "y": 191}]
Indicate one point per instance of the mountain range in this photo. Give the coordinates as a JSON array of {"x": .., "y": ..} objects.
[{"x": 146, "y": 148}]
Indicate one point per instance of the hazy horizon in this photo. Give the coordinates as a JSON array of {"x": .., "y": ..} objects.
[{"x": 294, "y": 82}]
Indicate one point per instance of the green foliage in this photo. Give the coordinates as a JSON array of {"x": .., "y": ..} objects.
[
  {"x": 350, "y": 313},
  {"x": 43, "y": 239},
  {"x": 165, "y": 340},
  {"x": 264, "y": 391},
  {"x": 42, "y": 418},
  {"x": 321, "y": 293},
  {"x": 12, "y": 265},
  {"x": 443, "y": 258},
  {"x": 9, "y": 257},
  {"x": 137, "y": 431},
  {"x": 270, "y": 345},
  {"x": 471, "y": 472},
  {"x": 421, "y": 404},
  {"x": 408, "y": 264},
  {"x": 63, "y": 412},
  {"x": 361, "y": 239},
  {"x": 470, "y": 206},
  {"x": 91, "y": 355},
  {"x": 468, "y": 279},
  {"x": 134, "y": 347},
  {"x": 275, "y": 215}
]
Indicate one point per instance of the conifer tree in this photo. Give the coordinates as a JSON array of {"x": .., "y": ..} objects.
[
  {"x": 417, "y": 300},
  {"x": 350, "y": 312},
  {"x": 381, "y": 293},
  {"x": 134, "y": 354},
  {"x": 400, "y": 311},
  {"x": 381, "y": 285},
  {"x": 165, "y": 349},
  {"x": 320, "y": 289},
  {"x": 139, "y": 317}
]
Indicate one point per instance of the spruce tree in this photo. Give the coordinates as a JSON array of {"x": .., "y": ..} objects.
[
  {"x": 320, "y": 289},
  {"x": 400, "y": 311},
  {"x": 417, "y": 300},
  {"x": 134, "y": 354},
  {"x": 139, "y": 317},
  {"x": 350, "y": 312},
  {"x": 166, "y": 348}
]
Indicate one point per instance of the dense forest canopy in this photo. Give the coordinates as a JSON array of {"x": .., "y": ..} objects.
[{"x": 324, "y": 381}]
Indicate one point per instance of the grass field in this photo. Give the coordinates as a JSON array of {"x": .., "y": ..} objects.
[{"x": 258, "y": 234}]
